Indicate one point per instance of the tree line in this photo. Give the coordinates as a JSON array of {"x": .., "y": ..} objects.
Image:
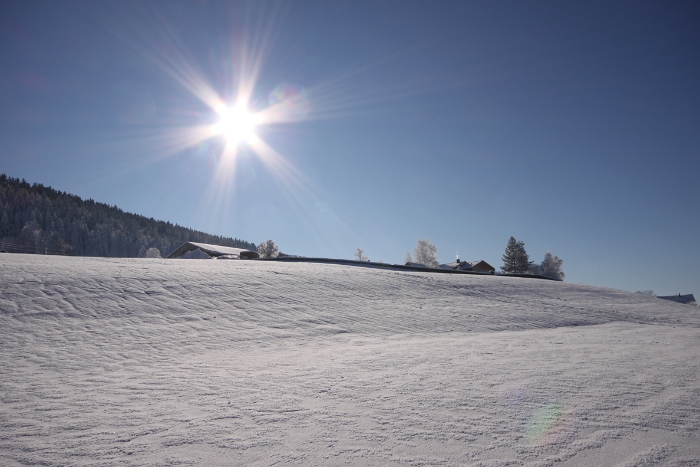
[
  {"x": 38, "y": 219},
  {"x": 515, "y": 259}
]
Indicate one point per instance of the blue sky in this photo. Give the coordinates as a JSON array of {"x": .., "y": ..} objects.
[{"x": 573, "y": 126}]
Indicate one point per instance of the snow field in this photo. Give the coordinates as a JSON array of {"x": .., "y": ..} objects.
[{"x": 171, "y": 362}]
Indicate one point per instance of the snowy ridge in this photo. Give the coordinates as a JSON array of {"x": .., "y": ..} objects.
[
  {"x": 164, "y": 362},
  {"x": 254, "y": 298}
]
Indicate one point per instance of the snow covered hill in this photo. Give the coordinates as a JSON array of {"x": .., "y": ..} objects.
[{"x": 168, "y": 362}]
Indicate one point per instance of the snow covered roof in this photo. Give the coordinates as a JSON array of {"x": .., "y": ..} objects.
[
  {"x": 416, "y": 265},
  {"x": 680, "y": 298},
  {"x": 214, "y": 251},
  {"x": 479, "y": 265},
  {"x": 456, "y": 265}
]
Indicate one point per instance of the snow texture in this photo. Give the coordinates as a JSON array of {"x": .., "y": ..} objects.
[{"x": 159, "y": 362}]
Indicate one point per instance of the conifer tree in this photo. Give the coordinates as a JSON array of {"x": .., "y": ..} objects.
[
  {"x": 4, "y": 225},
  {"x": 515, "y": 258}
]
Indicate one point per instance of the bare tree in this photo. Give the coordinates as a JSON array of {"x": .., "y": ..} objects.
[
  {"x": 153, "y": 253},
  {"x": 268, "y": 249},
  {"x": 408, "y": 258},
  {"x": 426, "y": 253},
  {"x": 551, "y": 266},
  {"x": 360, "y": 255}
]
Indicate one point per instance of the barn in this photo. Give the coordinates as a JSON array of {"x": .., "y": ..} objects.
[{"x": 192, "y": 250}]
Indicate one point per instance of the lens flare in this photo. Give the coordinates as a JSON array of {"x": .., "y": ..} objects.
[
  {"x": 547, "y": 424},
  {"x": 289, "y": 102}
]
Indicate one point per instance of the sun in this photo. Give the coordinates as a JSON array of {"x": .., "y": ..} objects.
[{"x": 236, "y": 124}]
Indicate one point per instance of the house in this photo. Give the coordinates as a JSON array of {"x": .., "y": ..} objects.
[
  {"x": 476, "y": 266},
  {"x": 685, "y": 299},
  {"x": 192, "y": 250},
  {"x": 482, "y": 266},
  {"x": 456, "y": 265}
]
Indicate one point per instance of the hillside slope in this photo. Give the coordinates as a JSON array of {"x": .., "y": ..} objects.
[
  {"x": 38, "y": 219},
  {"x": 165, "y": 362}
]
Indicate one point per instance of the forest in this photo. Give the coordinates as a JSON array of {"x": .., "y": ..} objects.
[{"x": 38, "y": 219}]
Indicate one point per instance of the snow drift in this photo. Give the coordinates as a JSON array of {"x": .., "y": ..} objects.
[{"x": 156, "y": 362}]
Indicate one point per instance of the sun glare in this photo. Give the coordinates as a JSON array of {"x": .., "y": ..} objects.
[
  {"x": 237, "y": 118},
  {"x": 237, "y": 124}
]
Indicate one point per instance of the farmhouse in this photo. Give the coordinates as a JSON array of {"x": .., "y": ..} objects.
[
  {"x": 476, "y": 266},
  {"x": 192, "y": 250}
]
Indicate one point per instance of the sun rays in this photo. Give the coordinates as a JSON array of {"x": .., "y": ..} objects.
[
  {"x": 235, "y": 111},
  {"x": 229, "y": 115}
]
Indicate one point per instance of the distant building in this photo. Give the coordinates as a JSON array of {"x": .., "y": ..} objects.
[
  {"x": 192, "y": 250},
  {"x": 476, "y": 266},
  {"x": 685, "y": 299}
]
